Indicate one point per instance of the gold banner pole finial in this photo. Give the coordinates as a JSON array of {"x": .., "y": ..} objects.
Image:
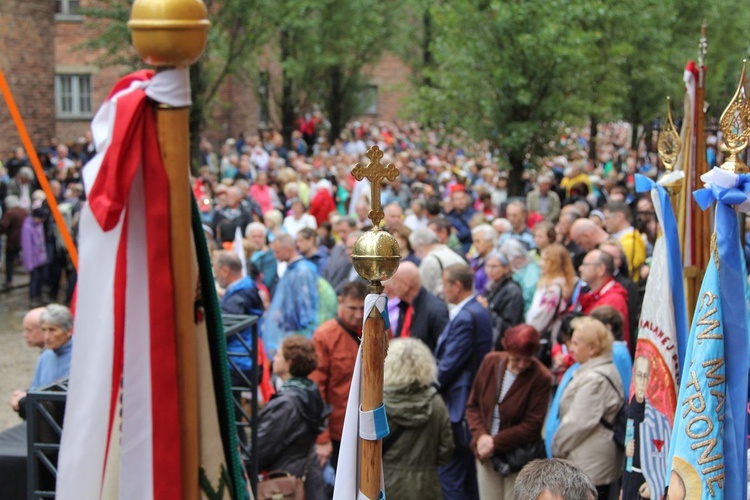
[
  {"x": 375, "y": 256},
  {"x": 669, "y": 146},
  {"x": 735, "y": 125}
]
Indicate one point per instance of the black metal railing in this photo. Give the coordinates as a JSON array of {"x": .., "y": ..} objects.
[
  {"x": 234, "y": 325},
  {"x": 45, "y": 410}
]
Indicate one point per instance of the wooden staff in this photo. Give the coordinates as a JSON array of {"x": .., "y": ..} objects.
[
  {"x": 40, "y": 175},
  {"x": 373, "y": 358},
  {"x": 172, "y": 34},
  {"x": 375, "y": 256}
]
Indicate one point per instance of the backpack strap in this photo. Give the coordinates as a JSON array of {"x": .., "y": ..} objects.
[
  {"x": 608, "y": 425},
  {"x": 349, "y": 331}
]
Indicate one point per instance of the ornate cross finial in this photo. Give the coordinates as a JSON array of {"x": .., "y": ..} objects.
[{"x": 375, "y": 172}]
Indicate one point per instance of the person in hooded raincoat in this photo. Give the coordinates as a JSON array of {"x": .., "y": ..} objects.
[{"x": 421, "y": 438}]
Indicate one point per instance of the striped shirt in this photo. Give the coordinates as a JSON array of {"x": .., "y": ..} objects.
[{"x": 508, "y": 380}]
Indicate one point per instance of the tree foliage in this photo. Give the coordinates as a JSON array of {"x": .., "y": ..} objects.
[
  {"x": 324, "y": 47},
  {"x": 510, "y": 72},
  {"x": 514, "y": 72}
]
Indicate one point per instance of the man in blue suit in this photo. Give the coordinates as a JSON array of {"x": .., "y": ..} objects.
[{"x": 460, "y": 349}]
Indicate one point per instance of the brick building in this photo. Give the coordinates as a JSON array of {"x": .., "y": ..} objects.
[
  {"x": 61, "y": 86},
  {"x": 27, "y": 60}
]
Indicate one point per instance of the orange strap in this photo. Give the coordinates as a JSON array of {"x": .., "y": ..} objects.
[{"x": 41, "y": 177}]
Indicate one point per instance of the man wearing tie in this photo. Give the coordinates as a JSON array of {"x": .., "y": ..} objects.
[
  {"x": 421, "y": 315},
  {"x": 462, "y": 345}
]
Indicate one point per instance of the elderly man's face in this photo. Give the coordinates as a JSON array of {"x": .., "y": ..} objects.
[
  {"x": 32, "y": 331},
  {"x": 590, "y": 268},
  {"x": 516, "y": 216},
  {"x": 258, "y": 238}
]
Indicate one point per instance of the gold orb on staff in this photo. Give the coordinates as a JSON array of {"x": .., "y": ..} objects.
[
  {"x": 376, "y": 253},
  {"x": 375, "y": 256}
]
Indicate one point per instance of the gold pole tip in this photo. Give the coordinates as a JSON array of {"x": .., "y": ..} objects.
[{"x": 169, "y": 32}]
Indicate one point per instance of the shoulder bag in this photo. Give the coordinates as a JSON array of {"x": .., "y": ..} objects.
[{"x": 282, "y": 485}]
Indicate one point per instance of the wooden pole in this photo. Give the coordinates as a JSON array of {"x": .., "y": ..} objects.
[
  {"x": 174, "y": 142},
  {"x": 702, "y": 220},
  {"x": 373, "y": 357},
  {"x": 40, "y": 175}
]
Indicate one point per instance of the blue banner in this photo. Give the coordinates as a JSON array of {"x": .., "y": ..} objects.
[
  {"x": 699, "y": 458},
  {"x": 709, "y": 444}
]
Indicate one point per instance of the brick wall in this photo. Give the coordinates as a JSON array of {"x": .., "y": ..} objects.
[
  {"x": 27, "y": 61},
  {"x": 391, "y": 76}
]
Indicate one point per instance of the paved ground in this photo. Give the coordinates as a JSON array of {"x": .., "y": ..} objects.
[{"x": 16, "y": 359}]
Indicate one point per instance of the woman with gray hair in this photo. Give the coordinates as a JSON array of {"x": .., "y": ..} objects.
[
  {"x": 262, "y": 256},
  {"x": 484, "y": 238},
  {"x": 421, "y": 439},
  {"x": 525, "y": 271},
  {"x": 503, "y": 296},
  {"x": 54, "y": 362}
]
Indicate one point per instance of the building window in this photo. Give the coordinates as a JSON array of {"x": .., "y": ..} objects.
[
  {"x": 67, "y": 7},
  {"x": 73, "y": 96},
  {"x": 369, "y": 100},
  {"x": 67, "y": 10}
]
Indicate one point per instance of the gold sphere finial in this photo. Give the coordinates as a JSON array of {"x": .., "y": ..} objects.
[
  {"x": 169, "y": 32},
  {"x": 376, "y": 255}
]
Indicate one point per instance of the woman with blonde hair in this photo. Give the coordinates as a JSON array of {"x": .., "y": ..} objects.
[
  {"x": 552, "y": 295},
  {"x": 589, "y": 406},
  {"x": 421, "y": 438},
  {"x": 273, "y": 220}
]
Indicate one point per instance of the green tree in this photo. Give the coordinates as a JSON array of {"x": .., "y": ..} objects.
[
  {"x": 324, "y": 48},
  {"x": 509, "y": 72}
]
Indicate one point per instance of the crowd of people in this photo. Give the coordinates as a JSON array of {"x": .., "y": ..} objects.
[
  {"x": 501, "y": 303},
  {"x": 513, "y": 318}
]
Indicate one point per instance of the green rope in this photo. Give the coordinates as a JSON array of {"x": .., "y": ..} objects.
[{"x": 218, "y": 347}]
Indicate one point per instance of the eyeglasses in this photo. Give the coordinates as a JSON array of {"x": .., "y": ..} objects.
[{"x": 589, "y": 264}]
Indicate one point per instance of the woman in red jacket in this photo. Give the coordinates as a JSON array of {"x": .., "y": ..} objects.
[{"x": 506, "y": 409}]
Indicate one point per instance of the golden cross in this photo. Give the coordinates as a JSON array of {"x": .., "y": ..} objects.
[{"x": 375, "y": 172}]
